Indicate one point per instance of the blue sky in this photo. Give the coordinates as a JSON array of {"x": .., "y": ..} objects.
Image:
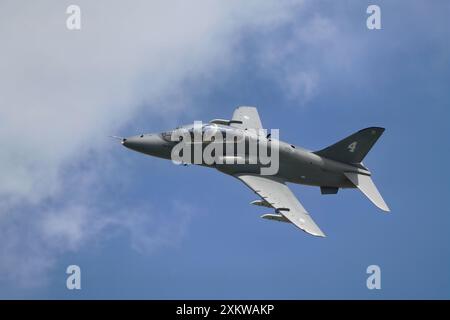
[{"x": 140, "y": 227}]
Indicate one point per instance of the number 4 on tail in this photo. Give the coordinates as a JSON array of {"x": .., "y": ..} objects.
[{"x": 351, "y": 147}]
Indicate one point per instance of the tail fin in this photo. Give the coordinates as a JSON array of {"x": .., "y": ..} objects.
[
  {"x": 366, "y": 185},
  {"x": 354, "y": 148}
]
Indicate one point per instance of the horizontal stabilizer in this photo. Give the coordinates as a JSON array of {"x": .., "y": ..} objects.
[{"x": 366, "y": 185}]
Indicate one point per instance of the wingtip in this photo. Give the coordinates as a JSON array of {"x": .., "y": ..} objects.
[
  {"x": 383, "y": 206},
  {"x": 316, "y": 233}
]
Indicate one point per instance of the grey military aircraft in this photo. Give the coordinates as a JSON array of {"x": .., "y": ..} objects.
[{"x": 337, "y": 166}]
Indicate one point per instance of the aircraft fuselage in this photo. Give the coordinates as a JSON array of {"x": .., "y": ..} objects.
[{"x": 296, "y": 164}]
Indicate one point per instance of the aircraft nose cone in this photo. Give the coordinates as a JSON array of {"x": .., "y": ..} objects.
[
  {"x": 146, "y": 143},
  {"x": 131, "y": 142}
]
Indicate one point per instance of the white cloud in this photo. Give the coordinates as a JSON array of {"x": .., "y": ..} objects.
[
  {"x": 64, "y": 91},
  {"x": 149, "y": 229},
  {"x": 309, "y": 48},
  {"x": 32, "y": 239},
  {"x": 68, "y": 227},
  {"x": 301, "y": 85}
]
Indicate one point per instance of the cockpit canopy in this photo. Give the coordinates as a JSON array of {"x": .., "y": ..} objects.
[{"x": 208, "y": 132}]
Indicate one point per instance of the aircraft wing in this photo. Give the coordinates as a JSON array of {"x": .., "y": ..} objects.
[
  {"x": 246, "y": 118},
  {"x": 278, "y": 195}
]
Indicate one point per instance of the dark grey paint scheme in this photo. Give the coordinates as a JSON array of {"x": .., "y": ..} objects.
[
  {"x": 296, "y": 165},
  {"x": 337, "y": 166}
]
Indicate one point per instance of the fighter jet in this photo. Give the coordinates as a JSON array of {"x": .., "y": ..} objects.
[{"x": 334, "y": 167}]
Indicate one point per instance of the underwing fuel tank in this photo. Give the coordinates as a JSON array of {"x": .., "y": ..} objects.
[
  {"x": 275, "y": 216},
  {"x": 261, "y": 203}
]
